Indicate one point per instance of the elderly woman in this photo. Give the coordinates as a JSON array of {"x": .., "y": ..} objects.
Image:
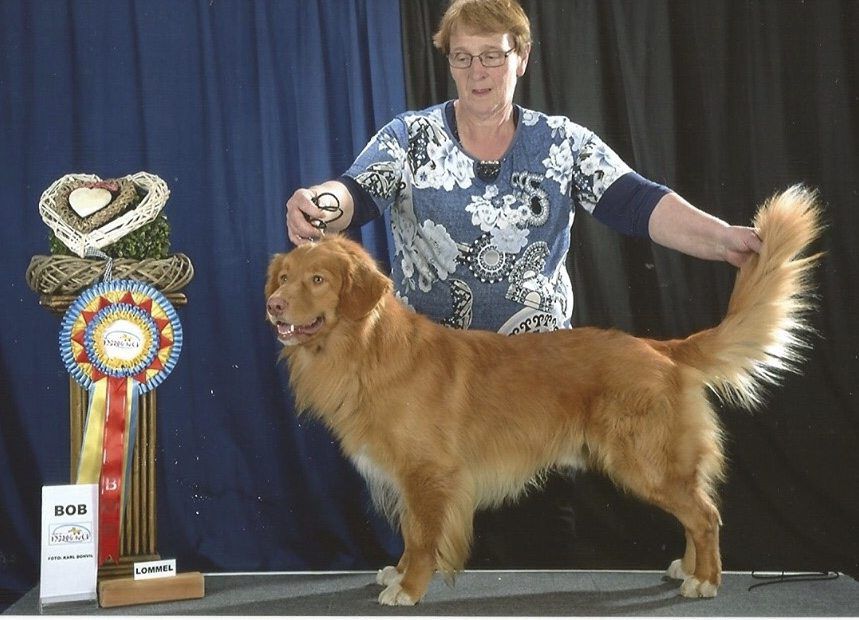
[{"x": 482, "y": 194}]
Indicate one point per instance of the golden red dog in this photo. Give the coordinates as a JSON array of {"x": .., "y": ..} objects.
[{"x": 442, "y": 422}]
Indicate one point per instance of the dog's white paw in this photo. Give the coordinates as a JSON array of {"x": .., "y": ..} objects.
[
  {"x": 395, "y": 595},
  {"x": 693, "y": 588},
  {"x": 388, "y": 575},
  {"x": 675, "y": 571}
]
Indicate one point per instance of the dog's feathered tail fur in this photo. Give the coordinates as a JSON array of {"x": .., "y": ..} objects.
[{"x": 765, "y": 329}]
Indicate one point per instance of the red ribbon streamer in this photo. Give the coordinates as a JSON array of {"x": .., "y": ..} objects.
[{"x": 112, "y": 468}]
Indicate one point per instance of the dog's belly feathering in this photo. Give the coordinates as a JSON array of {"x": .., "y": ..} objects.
[{"x": 497, "y": 485}]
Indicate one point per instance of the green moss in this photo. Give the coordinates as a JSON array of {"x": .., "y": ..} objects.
[{"x": 149, "y": 241}]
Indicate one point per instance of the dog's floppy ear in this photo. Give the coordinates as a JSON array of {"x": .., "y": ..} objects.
[
  {"x": 363, "y": 285},
  {"x": 271, "y": 282}
]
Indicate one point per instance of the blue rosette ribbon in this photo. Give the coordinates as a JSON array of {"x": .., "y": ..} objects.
[{"x": 119, "y": 339}]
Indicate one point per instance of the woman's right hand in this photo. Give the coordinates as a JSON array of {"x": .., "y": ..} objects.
[{"x": 299, "y": 210}]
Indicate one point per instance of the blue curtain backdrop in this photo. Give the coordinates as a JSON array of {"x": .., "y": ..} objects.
[{"x": 234, "y": 104}]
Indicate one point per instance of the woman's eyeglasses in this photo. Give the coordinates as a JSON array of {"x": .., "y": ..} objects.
[{"x": 492, "y": 58}]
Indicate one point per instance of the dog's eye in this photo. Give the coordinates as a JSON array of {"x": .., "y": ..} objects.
[
  {"x": 317, "y": 279},
  {"x": 282, "y": 278}
]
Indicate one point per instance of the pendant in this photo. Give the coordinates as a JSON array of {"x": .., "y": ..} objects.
[{"x": 487, "y": 171}]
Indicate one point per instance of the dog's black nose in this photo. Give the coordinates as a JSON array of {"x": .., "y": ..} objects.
[{"x": 276, "y": 305}]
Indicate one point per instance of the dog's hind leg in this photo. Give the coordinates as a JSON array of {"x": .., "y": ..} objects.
[
  {"x": 684, "y": 567},
  {"x": 699, "y": 515},
  {"x": 695, "y": 464},
  {"x": 679, "y": 484},
  {"x": 701, "y": 566}
]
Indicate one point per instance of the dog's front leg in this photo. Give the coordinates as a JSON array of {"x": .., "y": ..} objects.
[
  {"x": 393, "y": 574},
  {"x": 436, "y": 523},
  {"x": 408, "y": 581}
]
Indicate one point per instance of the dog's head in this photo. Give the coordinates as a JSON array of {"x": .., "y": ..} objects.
[{"x": 315, "y": 286}]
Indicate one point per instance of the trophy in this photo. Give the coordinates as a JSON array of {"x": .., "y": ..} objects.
[{"x": 111, "y": 277}]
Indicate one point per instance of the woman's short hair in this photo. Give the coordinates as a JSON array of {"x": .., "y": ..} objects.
[{"x": 484, "y": 17}]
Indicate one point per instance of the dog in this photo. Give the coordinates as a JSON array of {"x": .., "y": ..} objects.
[{"x": 442, "y": 422}]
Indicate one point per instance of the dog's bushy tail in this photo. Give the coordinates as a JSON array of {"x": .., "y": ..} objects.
[{"x": 765, "y": 331}]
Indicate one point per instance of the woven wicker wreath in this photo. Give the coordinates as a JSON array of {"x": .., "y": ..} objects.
[
  {"x": 122, "y": 215},
  {"x": 68, "y": 275}
]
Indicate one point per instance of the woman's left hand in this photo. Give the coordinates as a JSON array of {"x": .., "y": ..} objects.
[{"x": 739, "y": 243}]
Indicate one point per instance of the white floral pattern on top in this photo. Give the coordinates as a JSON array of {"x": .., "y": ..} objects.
[
  {"x": 472, "y": 252},
  {"x": 558, "y": 125},
  {"x": 530, "y": 118},
  {"x": 559, "y": 164},
  {"x": 597, "y": 169},
  {"x": 505, "y": 218},
  {"x": 484, "y": 214},
  {"x": 427, "y": 252},
  {"x": 437, "y": 243},
  {"x": 509, "y": 239},
  {"x": 437, "y": 161}
]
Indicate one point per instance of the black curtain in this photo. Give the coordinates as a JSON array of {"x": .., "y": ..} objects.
[{"x": 726, "y": 102}]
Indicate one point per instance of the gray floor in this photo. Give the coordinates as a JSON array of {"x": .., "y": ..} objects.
[{"x": 491, "y": 593}]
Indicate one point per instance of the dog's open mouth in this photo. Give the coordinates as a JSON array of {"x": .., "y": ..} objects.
[{"x": 287, "y": 332}]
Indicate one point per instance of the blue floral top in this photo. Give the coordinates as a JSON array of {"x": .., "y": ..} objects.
[{"x": 476, "y": 252}]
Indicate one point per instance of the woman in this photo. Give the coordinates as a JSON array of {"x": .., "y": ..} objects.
[{"x": 482, "y": 194}]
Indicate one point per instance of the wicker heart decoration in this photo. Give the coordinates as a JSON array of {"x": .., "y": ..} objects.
[
  {"x": 74, "y": 208},
  {"x": 85, "y": 200}
]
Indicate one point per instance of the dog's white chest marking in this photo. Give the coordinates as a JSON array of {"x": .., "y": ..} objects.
[
  {"x": 383, "y": 488},
  {"x": 367, "y": 467}
]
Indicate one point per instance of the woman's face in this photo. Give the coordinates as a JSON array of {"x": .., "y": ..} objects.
[{"x": 484, "y": 91}]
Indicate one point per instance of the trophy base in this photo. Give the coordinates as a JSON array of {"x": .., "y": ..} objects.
[
  {"x": 123, "y": 591},
  {"x": 125, "y": 566}
]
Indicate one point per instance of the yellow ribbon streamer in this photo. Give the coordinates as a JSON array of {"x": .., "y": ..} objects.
[{"x": 89, "y": 467}]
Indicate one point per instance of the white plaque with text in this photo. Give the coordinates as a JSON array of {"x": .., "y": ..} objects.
[
  {"x": 155, "y": 570},
  {"x": 69, "y": 543}
]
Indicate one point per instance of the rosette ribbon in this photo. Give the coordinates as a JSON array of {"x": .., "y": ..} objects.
[{"x": 118, "y": 339}]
